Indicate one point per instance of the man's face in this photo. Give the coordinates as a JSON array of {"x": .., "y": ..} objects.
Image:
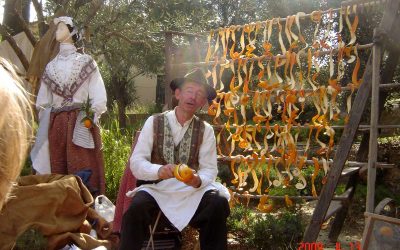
[{"x": 191, "y": 96}]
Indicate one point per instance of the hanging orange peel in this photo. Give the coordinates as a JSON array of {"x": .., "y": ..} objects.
[
  {"x": 263, "y": 206},
  {"x": 314, "y": 176},
  {"x": 288, "y": 202},
  {"x": 282, "y": 88},
  {"x": 183, "y": 172}
]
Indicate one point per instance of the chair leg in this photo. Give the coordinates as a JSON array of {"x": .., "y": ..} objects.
[{"x": 152, "y": 230}]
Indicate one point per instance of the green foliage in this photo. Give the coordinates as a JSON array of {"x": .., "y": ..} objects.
[
  {"x": 265, "y": 231},
  {"x": 27, "y": 168},
  {"x": 116, "y": 151},
  {"x": 308, "y": 172},
  {"x": 31, "y": 239},
  {"x": 239, "y": 223},
  {"x": 340, "y": 189},
  {"x": 381, "y": 192},
  {"x": 138, "y": 108},
  {"x": 284, "y": 231},
  {"x": 394, "y": 140},
  {"x": 282, "y": 191}
]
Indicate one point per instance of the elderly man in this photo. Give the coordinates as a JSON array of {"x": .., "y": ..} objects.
[{"x": 170, "y": 138}]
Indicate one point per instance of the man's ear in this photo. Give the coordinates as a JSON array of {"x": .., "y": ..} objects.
[{"x": 177, "y": 93}]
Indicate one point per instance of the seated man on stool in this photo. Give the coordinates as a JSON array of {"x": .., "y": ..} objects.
[{"x": 178, "y": 137}]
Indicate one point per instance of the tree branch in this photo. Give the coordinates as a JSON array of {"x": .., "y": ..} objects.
[
  {"x": 135, "y": 75},
  {"x": 25, "y": 28},
  {"x": 14, "y": 45},
  {"x": 96, "y": 6},
  {"x": 39, "y": 13},
  {"x": 132, "y": 42},
  {"x": 80, "y": 3}
]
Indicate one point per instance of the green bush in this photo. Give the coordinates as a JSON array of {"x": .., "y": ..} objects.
[
  {"x": 265, "y": 231},
  {"x": 284, "y": 231},
  {"x": 31, "y": 239},
  {"x": 239, "y": 223},
  {"x": 307, "y": 173},
  {"x": 138, "y": 108},
  {"x": 116, "y": 151},
  {"x": 282, "y": 191}
]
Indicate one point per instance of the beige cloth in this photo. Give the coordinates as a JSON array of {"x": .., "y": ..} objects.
[
  {"x": 8, "y": 53},
  {"x": 56, "y": 205}
]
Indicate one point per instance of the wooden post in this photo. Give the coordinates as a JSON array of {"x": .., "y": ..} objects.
[
  {"x": 389, "y": 20},
  {"x": 340, "y": 216},
  {"x": 168, "y": 69},
  {"x": 373, "y": 131}
]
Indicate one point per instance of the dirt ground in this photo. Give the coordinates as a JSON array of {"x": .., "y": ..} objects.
[{"x": 351, "y": 233}]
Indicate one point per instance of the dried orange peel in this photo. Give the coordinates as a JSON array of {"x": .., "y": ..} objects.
[{"x": 183, "y": 172}]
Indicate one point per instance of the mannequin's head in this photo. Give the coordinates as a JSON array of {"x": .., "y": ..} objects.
[
  {"x": 63, "y": 34},
  {"x": 65, "y": 28}
]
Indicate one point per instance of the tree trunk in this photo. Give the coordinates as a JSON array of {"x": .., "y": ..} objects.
[
  {"x": 121, "y": 115},
  {"x": 10, "y": 18}
]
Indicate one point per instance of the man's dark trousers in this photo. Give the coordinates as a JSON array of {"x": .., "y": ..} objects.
[{"x": 209, "y": 218}]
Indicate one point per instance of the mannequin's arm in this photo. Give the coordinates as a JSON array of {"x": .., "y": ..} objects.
[
  {"x": 98, "y": 95},
  {"x": 44, "y": 99}
]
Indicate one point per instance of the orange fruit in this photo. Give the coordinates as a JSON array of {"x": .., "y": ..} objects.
[
  {"x": 186, "y": 172},
  {"x": 87, "y": 123},
  {"x": 386, "y": 231},
  {"x": 183, "y": 172}
]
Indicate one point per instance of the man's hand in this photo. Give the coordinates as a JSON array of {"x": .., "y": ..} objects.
[
  {"x": 195, "y": 181},
  {"x": 166, "y": 171}
]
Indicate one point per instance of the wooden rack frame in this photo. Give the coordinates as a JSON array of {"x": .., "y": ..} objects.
[{"x": 371, "y": 77}]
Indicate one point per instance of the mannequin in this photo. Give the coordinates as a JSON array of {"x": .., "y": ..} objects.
[{"x": 71, "y": 91}]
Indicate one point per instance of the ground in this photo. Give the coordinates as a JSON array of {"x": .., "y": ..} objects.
[{"x": 351, "y": 232}]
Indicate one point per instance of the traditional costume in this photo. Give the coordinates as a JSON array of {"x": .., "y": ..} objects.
[
  {"x": 163, "y": 140},
  {"x": 63, "y": 144}
]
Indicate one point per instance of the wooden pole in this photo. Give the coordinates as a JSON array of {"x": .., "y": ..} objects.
[
  {"x": 373, "y": 132},
  {"x": 168, "y": 69},
  {"x": 271, "y": 58}
]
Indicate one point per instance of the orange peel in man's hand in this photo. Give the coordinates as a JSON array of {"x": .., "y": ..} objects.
[{"x": 183, "y": 172}]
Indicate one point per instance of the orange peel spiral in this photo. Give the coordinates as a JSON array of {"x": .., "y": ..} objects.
[{"x": 183, "y": 172}]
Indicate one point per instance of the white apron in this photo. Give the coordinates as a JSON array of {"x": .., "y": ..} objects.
[{"x": 177, "y": 200}]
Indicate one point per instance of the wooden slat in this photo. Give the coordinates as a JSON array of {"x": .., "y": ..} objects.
[
  {"x": 267, "y": 57},
  {"x": 340, "y": 216},
  {"x": 341, "y": 197},
  {"x": 382, "y": 218},
  {"x": 333, "y": 208},
  {"x": 373, "y": 132},
  {"x": 350, "y": 171},
  {"x": 346, "y": 141},
  {"x": 361, "y": 126}
]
